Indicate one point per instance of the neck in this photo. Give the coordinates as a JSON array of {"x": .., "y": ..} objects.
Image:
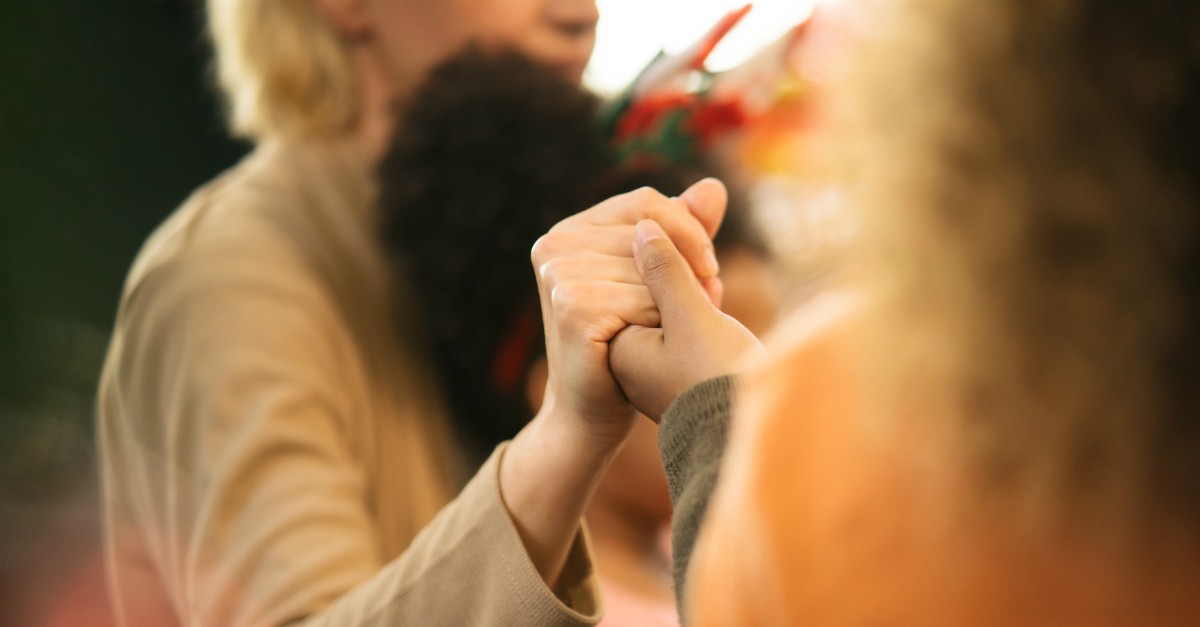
[{"x": 378, "y": 92}]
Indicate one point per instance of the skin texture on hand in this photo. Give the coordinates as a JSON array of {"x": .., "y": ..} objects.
[
  {"x": 590, "y": 289},
  {"x": 694, "y": 342}
]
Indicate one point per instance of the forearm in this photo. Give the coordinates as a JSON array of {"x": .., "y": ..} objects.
[{"x": 546, "y": 480}]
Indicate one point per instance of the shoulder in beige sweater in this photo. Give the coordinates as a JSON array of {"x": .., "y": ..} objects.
[{"x": 270, "y": 449}]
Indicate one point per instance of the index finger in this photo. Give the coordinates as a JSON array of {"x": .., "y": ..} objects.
[{"x": 686, "y": 231}]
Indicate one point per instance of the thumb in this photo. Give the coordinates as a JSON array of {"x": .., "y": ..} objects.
[{"x": 675, "y": 290}]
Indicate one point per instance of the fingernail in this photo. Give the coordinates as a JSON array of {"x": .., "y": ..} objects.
[
  {"x": 688, "y": 194},
  {"x": 647, "y": 230}
]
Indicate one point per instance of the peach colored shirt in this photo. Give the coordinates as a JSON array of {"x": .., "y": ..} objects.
[
  {"x": 625, "y": 608},
  {"x": 817, "y": 520}
]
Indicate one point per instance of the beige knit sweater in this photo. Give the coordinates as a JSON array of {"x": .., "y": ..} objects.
[{"x": 270, "y": 452}]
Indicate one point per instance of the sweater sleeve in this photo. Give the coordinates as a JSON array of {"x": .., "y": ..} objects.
[
  {"x": 469, "y": 567},
  {"x": 692, "y": 437},
  {"x": 232, "y": 494}
]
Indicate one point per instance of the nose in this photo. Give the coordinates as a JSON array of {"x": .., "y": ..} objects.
[{"x": 574, "y": 18}]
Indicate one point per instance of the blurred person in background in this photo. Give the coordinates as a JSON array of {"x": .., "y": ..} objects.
[
  {"x": 493, "y": 150},
  {"x": 269, "y": 444},
  {"x": 996, "y": 422}
]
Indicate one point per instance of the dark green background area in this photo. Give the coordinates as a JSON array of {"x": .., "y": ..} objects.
[{"x": 107, "y": 123}]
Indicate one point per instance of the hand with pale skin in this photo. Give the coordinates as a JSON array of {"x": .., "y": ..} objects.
[
  {"x": 590, "y": 289},
  {"x": 694, "y": 340}
]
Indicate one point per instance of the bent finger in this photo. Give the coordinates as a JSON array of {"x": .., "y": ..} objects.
[
  {"x": 707, "y": 201},
  {"x": 686, "y": 231},
  {"x": 596, "y": 310},
  {"x": 590, "y": 267}
]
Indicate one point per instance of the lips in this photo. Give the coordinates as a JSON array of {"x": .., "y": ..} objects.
[{"x": 574, "y": 69}]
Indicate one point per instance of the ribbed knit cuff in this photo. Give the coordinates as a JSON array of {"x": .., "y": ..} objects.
[{"x": 694, "y": 429}]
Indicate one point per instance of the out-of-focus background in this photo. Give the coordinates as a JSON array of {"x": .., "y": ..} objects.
[
  {"x": 107, "y": 122},
  {"x": 632, "y": 32}
]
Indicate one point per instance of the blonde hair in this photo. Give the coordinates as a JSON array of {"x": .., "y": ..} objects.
[
  {"x": 1029, "y": 232},
  {"x": 282, "y": 68}
]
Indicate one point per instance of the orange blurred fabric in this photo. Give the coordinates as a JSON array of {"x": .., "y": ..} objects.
[{"x": 823, "y": 518}]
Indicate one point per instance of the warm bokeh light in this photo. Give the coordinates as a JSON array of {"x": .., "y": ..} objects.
[{"x": 632, "y": 32}]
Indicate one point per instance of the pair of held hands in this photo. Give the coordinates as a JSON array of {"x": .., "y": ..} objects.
[{"x": 629, "y": 294}]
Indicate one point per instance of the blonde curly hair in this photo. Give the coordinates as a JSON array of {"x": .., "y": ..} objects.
[
  {"x": 1027, "y": 173},
  {"x": 282, "y": 68}
]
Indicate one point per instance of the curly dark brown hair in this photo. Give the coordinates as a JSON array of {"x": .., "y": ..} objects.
[{"x": 493, "y": 150}]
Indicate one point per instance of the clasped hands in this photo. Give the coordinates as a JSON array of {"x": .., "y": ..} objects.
[{"x": 629, "y": 293}]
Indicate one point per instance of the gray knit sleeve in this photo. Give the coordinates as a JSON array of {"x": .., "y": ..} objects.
[{"x": 691, "y": 439}]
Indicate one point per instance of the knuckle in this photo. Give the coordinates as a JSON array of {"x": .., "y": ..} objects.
[
  {"x": 657, "y": 262},
  {"x": 546, "y": 271},
  {"x": 556, "y": 270},
  {"x": 548, "y": 247},
  {"x": 562, "y": 225},
  {"x": 645, "y": 195},
  {"x": 571, "y": 307},
  {"x": 564, "y": 298},
  {"x": 540, "y": 250}
]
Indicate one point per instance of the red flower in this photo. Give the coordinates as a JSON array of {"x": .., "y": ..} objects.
[
  {"x": 712, "y": 119},
  {"x": 644, "y": 114}
]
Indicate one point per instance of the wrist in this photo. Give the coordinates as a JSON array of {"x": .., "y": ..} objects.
[
  {"x": 582, "y": 439},
  {"x": 547, "y": 477}
]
